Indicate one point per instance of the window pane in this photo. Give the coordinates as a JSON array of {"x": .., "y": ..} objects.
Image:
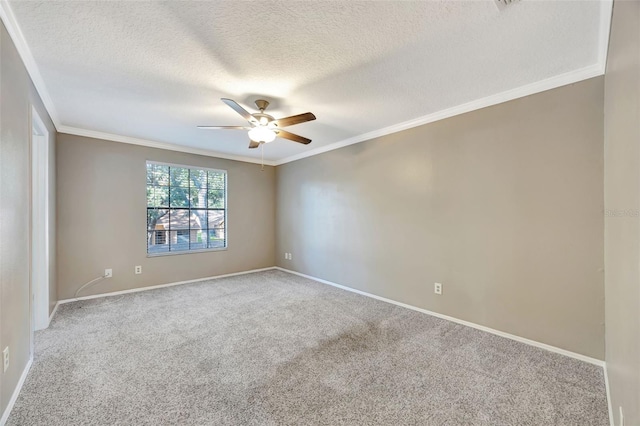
[
  {"x": 179, "y": 239},
  {"x": 150, "y": 196},
  {"x": 179, "y": 177},
  {"x": 198, "y": 197},
  {"x": 179, "y": 196},
  {"x": 198, "y": 239},
  {"x": 198, "y": 178},
  {"x": 178, "y": 244},
  {"x": 157, "y": 242},
  {"x": 215, "y": 198},
  {"x": 179, "y": 219},
  {"x": 216, "y": 219},
  {"x": 198, "y": 219},
  {"x": 182, "y": 236},
  {"x": 216, "y": 238},
  {"x": 157, "y": 219},
  {"x": 216, "y": 180},
  {"x": 157, "y": 196},
  {"x": 157, "y": 174}
]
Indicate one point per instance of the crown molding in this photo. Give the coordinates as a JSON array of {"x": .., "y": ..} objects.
[
  {"x": 591, "y": 71},
  {"x": 159, "y": 145},
  {"x": 519, "y": 92},
  {"x": 606, "y": 14},
  {"x": 9, "y": 20},
  {"x": 595, "y": 70}
]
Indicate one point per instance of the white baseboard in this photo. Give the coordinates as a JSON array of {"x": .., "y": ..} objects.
[
  {"x": 606, "y": 385},
  {"x": 53, "y": 313},
  {"x": 153, "y": 287},
  {"x": 384, "y": 299},
  {"x": 456, "y": 320},
  {"x": 16, "y": 392}
]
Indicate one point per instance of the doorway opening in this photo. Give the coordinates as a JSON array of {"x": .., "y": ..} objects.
[{"x": 39, "y": 224}]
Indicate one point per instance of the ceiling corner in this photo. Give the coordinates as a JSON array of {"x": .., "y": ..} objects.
[{"x": 9, "y": 20}]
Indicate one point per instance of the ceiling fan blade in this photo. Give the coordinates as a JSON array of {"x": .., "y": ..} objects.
[
  {"x": 287, "y": 135},
  {"x": 295, "y": 119},
  {"x": 237, "y": 108},
  {"x": 222, "y": 127},
  {"x": 253, "y": 144}
]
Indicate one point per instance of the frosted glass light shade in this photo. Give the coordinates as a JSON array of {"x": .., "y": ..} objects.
[{"x": 262, "y": 134}]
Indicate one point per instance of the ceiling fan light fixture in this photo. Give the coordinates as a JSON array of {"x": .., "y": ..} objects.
[
  {"x": 263, "y": 127},
  {"x": 262, "y": 134}
]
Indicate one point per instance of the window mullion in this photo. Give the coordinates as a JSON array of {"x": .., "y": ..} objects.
[{"x": 206, "y": 213}]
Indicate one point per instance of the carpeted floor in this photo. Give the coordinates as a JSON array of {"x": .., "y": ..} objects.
[{"x": 272, "y": 348}]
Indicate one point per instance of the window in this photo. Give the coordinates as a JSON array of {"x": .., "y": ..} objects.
[{"x": 186, "y": 208}]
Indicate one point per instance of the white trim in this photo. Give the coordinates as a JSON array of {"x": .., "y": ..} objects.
[
  {"x": 186, "y": 166},
  {"x": 9, "y": 19},
  {"x": 509, "y": 95},
  {"x": 16, "y": 392},
  {"x": 550, "y": 348},
  {"x": 181, "y": 252},
  {"x": 606, "y": 14},
  {"x": 575, "y": 76},
  {"x": 159, "y": 145},
  {"x": 446, "y": 317},
  {"x": 39, "y": 217},
  {"x": 53, "y": 313},
  {"x": 153, "y": 287},
  {"x": 606, "y": 385}
]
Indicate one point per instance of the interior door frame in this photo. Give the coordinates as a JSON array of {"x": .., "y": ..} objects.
[{"x": 40, "y": 256}]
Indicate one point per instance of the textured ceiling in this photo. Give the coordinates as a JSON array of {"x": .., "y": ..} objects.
[{"x": 156, "y": 70}]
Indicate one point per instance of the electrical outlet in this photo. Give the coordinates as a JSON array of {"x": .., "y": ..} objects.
[
  {"x": 108, "y": 273},
  {"x": 138, "y": 270},
  {"x": 286, "y": 256},
  {"x": 5, "y": 358},
  {"x": 289, "y": 256},
  {"x": 437, "y": 288}
]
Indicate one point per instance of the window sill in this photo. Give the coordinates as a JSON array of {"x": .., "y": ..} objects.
[{"x": 177, "y": 253}]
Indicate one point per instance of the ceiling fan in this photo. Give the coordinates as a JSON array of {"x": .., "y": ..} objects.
[{"x": 263, "y": 128}]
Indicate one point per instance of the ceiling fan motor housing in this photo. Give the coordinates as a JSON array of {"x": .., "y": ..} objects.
[{"x": 263, "y": 119}]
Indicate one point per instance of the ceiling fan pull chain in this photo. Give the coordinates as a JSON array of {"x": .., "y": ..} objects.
[{"x": 262, "y": 161}]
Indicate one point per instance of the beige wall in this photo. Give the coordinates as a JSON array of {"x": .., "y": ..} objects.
[
  {"x": 622, "y": 201},
  {"x": 17, "y": 95},
  {"x": 102, "y": 217},
  {"x": 504, "y": 206}
]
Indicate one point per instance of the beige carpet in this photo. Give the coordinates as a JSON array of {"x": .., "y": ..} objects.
[{"x": 272, "y": 348}]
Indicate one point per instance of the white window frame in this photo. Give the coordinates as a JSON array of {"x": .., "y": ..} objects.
[{"x": 226, "y": 210}]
